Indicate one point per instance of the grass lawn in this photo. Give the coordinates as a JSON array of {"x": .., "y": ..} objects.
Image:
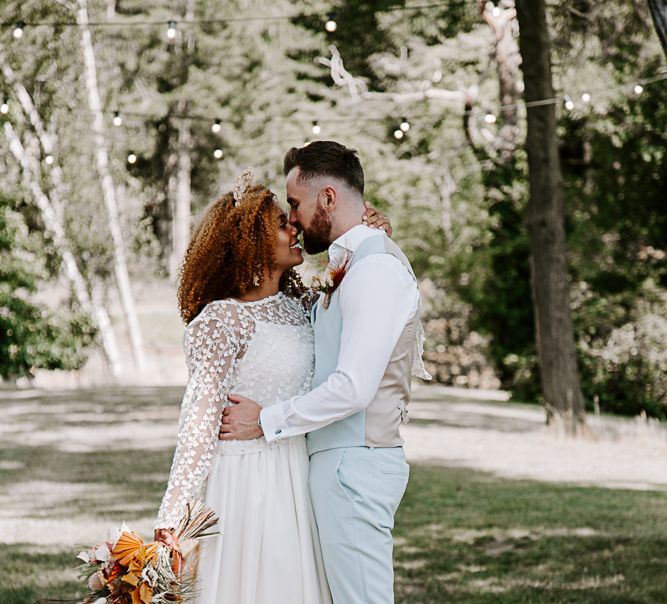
[{"x": 461, "y": 536}]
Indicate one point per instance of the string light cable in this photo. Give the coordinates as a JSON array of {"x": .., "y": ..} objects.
[
  {"x": 402, "y": 126},
  {"x": 636, "y": 86}
]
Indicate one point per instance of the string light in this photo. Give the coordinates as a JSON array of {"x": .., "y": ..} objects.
[
  {"x": 331, "y": 26},
  {"x": 4, "y": 108},
  {"x": 661, "y": 76},
  {"x": 171, "y": 30},
  {"x": 399, "y": 133},
  {"x": 117, "y": 120},
  {"x": 437, "y": 76},
  {"x": 216, "y": 127},
  {"x": 48, "y": 159},
  {"x": 131, "y": 158},
  {"x": 18, "y": 29}
]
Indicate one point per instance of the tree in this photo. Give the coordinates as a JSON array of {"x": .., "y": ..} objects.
[
  {"x": 109, "y": 190},
  {"x": 546, "y": 232},
  {"x": 52, "y": 209},
  {"x": 33, "y": 337}
]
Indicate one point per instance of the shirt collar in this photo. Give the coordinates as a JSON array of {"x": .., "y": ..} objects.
[{"x": 349, "y": 241}]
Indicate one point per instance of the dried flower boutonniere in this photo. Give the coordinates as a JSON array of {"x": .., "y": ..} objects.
[{"x": 331, "y": 279}]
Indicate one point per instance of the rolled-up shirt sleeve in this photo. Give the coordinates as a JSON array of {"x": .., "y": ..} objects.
[{"x": 378, "y": 297}]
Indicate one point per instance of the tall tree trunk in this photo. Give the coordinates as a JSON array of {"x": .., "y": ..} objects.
[
  {"x": 183, "y": 198},
  {"x": 54, "y": 226},
  {"x": 659, "y": 14},
  {"x": 182, "y": 191},
  {"x": 109, "y": 192},
  {"x": 550, "y": 281}
]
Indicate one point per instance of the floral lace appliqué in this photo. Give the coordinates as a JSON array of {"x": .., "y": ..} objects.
[{"x": 262, "y": 349}]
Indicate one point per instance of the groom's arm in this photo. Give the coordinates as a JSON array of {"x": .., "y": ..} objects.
[{"x": 378, "y": 296}]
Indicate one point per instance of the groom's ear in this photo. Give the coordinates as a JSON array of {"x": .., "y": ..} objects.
[{"x": 329, "y": 198}]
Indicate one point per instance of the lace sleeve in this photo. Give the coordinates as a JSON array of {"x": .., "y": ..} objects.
[{"x": 214, "y": 349}]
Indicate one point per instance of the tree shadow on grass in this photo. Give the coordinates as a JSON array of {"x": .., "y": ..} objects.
[
  {"x": 31, "y": 573},
  {"x": 465, "y": 536},
  {"x": 118, "y": 480}
]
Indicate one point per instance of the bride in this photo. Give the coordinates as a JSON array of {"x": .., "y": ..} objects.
[{"x": 248, "y": 330}]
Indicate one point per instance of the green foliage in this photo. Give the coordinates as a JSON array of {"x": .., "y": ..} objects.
[
  {"x": 32, "y": 337},
  {"x": 461, "y": 220}
]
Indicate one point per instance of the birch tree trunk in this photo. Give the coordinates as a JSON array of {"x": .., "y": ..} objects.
[
  {"x": 54, "y": 225},
  {"x": 180, "y": 225},
  {"x": 109, "y": 192},
  {"x": 550, "y": 280},
  {"x": 182, "y": 204}
]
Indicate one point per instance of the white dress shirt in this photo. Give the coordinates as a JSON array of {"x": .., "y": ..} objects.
[{"x": 378, "y": 297}]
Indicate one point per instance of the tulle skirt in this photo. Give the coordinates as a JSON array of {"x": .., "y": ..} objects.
[{"x": 268, "y": 551}]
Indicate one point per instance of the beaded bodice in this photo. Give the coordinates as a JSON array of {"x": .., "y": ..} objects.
[{"x": 262, "y": 350}]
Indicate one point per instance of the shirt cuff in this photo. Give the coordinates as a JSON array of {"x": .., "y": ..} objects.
[{"x": 274, "y": 425}]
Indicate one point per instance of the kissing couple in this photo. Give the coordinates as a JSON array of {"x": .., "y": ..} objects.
[{"x": 289, "y": 426}]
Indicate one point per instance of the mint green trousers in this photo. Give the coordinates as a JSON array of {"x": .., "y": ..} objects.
[{"x": 355, "y": 493}]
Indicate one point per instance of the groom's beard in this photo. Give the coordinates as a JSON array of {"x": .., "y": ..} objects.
[{"x": 316, "y": 237}]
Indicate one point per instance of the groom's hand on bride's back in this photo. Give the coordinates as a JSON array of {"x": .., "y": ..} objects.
[{"x": 239, "y": 422}]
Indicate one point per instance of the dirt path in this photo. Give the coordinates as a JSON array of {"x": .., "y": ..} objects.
[{"x": 511, "y": 440}]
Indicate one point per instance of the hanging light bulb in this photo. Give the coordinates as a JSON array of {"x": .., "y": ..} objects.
[
  {"x": 586, "y": 98},
  {"x": 569, "y": 103},
  {"x": 171, "y": 30},
  {"x": 131, "y": 158},
  {"x": 405, "y": 125},
  {"x": 316, "y": 128},
  {"x": 331, "y": 26},
  {"x": 216, "y": 127},
  {"x": 398, "y": 134},
  {"x": 4, "y": 108},
  {"x": 18, "y": 29},
  {"x": 437, "y": 76},
  {"x": 490, "y": 118},
  {"x": 638, "y": 89},
  {"x": 117, "y": 120},
  {"x": 218, "y": 153},
  {"x": 49, "y": 160}
]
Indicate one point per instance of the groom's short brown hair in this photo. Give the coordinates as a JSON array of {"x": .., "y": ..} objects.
[{"x": 326, "y": 158}]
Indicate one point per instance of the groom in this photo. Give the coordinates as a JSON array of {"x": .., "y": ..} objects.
[{"x": 365, "y": 331}]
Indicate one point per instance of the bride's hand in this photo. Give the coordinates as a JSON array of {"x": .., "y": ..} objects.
[
  {"x": 376, "y": 219},
  {"x": 163, "y": 535}
]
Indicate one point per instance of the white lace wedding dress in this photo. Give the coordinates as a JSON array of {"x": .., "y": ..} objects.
[{"x": 268, "y": 550}]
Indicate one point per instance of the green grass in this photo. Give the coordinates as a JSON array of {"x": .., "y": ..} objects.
[
  {"x": 461, "y": 536},
  {"x": 467, "y": 537}
]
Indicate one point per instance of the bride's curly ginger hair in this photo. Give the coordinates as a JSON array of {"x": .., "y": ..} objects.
[{"x": 229, "y": 250}]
